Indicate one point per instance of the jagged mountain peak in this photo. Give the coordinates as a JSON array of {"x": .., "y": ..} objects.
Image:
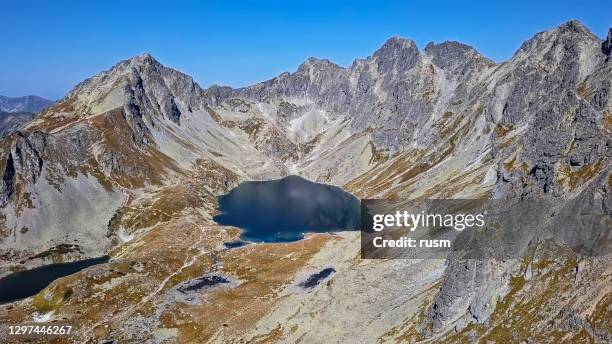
[
  {"x": 449, "y": 47},
  {"x": 135, "y": 68},
  {"x": 570, "y": 47},
  {"x": 396, "y": 47},
  {"x": 396, "y": 54},
  {"x": 574, "y": 31},
  {"x": 142, "y": 61},
  {"x": 144, "y": 57},
  {"x": 398, "y": 43},
  {"x": 317, "y": 63},
  {"x": 456, "y": 57},
  {"x": 316, "y": 69},
  {"x": 570, "y": 34},
  {"x": 574, "y": 25},
  {"x": 138, "y": 80},
  {"x": 121, "y": 68}
]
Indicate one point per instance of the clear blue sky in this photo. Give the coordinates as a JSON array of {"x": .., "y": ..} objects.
[{"x": 49, "y": 46}]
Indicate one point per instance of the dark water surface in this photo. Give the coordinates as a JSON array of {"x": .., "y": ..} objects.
[
  {"x": 22, "y": 284},
  {"x": 283, "y": 210},
  {"x": 203, "y": 282},
  {"x": 314, "y": 279},
  {"x": 235, "y": 244}
]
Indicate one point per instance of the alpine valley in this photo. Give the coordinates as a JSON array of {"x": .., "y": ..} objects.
[{"x": 131, "y": 162}]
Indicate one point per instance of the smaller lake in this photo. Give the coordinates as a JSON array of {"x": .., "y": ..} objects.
[
  {"x": 314, "y": 279},
  {"x": 23, "y": 284},
  {"x": 285, "y": 209}
]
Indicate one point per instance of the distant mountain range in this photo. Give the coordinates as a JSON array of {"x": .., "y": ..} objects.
[
  {"x": 32, "y": 104},
  {"x": 16, "y": 111},
  {"x": 11, "y": 121}
]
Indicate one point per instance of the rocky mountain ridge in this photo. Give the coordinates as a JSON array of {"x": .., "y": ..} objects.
[{"x": 132, "y": 154}]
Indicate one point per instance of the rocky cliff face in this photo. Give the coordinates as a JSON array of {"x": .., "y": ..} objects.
[
  {"x": 560, "y": 150},
  {"x": 130, "y": 162}
]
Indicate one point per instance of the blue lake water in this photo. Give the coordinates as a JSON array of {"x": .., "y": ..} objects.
[
  {"x": 314, "y": 279},
  {"x": 203, "y": 282},
  {"x": 285, "y": 209},
  {"x": 235, "y": 244},
  {"x": 22, "y": 284}
]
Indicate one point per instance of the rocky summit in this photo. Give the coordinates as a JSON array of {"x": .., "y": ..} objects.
[{"x": 130, "y": 164}]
